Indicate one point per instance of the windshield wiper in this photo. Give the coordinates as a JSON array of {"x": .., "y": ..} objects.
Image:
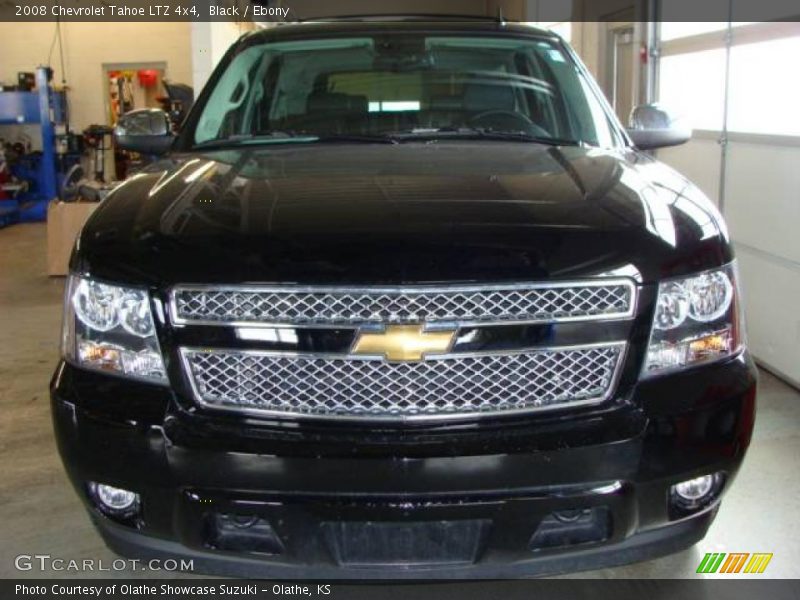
[
  {"x": 358, "y": 138},
  {"x": 395, "y": 137},
  {"x": 269, "y": 137},
  {"x": 281, "y": 136},
  {"x": 485, "y": 134}
]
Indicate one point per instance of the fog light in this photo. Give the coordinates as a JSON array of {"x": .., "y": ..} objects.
[
  {"x": 115, "y": 501},
  {"x": 695, "y": 489},
  {"x": 696, "y": 493},
  {"x": 243, "y": 533}
]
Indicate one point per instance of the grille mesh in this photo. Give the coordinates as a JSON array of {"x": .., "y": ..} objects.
[
  {"x": 447, "y": 386},
  {"x": 412, "y": 305}
]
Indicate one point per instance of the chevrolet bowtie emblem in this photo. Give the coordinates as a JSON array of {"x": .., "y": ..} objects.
[{"x": 403, "y": 342}]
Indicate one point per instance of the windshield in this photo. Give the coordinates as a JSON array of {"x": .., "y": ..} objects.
[{"x": 403, "y": 86}]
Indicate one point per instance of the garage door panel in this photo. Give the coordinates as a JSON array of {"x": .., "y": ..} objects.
[
  {"x": 699, "y": 161},
  {"x": 762, "y": 200},
  {"x": 771, "y": 290}
]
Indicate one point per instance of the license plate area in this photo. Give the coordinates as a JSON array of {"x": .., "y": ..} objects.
[
  {"x": 367, "y": 543},
  {"x": 364, "y": 532}
]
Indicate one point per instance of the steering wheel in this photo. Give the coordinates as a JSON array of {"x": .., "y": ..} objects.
[{"x": 509, "y": 120}]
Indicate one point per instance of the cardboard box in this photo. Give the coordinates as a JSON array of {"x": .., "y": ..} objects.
[{"x": 64, "y": 223}]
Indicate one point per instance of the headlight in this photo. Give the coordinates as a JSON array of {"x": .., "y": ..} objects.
[
  {"x": 697, "y": 320},
  {"x": 110, "y": 328}
]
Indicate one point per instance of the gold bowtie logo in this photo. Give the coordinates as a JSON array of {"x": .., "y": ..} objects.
[{"x": 403, "y": 342}]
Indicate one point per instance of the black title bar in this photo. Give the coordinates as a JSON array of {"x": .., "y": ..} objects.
[
  {"x": 558, "y": 589},
  {"x": 294, "y": 10},
  {"x": 143, "y": 10}
]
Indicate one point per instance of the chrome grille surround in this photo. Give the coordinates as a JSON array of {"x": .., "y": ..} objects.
[
  {"x": 440, "y": 387},
  {"x": 466, "y": 305}
]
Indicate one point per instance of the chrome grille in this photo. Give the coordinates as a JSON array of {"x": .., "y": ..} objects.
[
  {"x": 321, "y": 306},
  {"x": 447, "y": 386}
]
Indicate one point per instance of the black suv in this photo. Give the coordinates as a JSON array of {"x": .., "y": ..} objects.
[{"x": 402, "y": 299}]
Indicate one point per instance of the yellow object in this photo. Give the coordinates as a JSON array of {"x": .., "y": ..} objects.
[
  {"x": 100, "y": 356},
  {"x": 758, "y": 562},
  {"x": 404, "y": 342},
  {"x": 709, "y": 345}
]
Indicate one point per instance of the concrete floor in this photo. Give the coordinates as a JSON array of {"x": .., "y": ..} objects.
[{"x": 40, "y": 513}]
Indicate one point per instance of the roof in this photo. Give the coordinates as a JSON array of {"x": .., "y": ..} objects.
[
  {"x": 403, "y": 17},
  {"x": 355, "y": 24}
]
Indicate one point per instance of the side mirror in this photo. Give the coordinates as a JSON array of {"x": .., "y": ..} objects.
[
  {"x": 146, "y": 131},
  {"x": 652, "y": 126}
]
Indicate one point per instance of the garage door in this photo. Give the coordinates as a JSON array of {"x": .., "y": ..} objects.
[{"x": 739, "y": 87}]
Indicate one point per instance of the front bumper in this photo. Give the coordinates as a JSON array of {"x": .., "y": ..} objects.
[{"x": 490, "y": 501}]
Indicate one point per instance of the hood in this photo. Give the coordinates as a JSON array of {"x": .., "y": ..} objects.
[{"x": 400, "y": 214}]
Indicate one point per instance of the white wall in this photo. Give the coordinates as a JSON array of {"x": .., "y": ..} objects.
[
  {"x": 699, "y": 160},
  {"x": 586, "y": 42},
  {"x": 210, "y": 41},
  {"x": 514, "y": 10},
  {"x": 87, "y": 46}
]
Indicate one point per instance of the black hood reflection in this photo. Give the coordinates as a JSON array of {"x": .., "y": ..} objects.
[{"x": 413, "y": 212}]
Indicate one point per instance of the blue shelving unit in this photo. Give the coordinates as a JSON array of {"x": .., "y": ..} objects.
[
  {"x": 45, "y": 109},
  {"x": 9, "y": 212}
]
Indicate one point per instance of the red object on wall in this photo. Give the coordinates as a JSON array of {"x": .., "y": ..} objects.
[
  {"x": 147, "y": 77},
  {"x": 5, "y": 177}
]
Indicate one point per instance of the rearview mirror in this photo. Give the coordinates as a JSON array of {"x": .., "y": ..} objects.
[
  {"x": 652, "y": 126},
  {"x": 146, "y": 131}
]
